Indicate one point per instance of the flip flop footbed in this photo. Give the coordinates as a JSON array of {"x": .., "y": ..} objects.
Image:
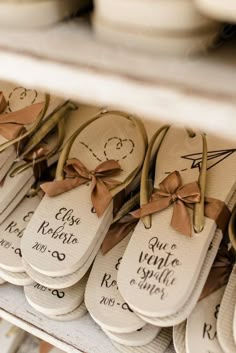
[
  {"x": 78, "y": 313},
  {"x": 102, "y": 296},
  {"x": 201, "y": 332},
  {"x": 179, "y": 332},
  {"x": 159, "y": 344},
  {"x": 160, "y": 266},
  {"x": 55, "y": 302},
  {"x": 12, "y": 231}
]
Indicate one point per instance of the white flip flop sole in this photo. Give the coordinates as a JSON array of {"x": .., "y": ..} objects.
[
  {"x": 78, "y": 313},
  {"x": 217, "y": 9},
  {"x": 138, "y": 338},
  {"x": 64, "y": 281},
  {"x": 32, "y": 14},
  {"x": 18, "y": 279},
  {"x": 152, "y": 41},
  {"x": 226, "y": 316},
  {"x": 186, "y": 310},
  {"x": 168, "y": 15},
  {"x": 179, "y": 332},
  {"x": 159, "y": 344}
]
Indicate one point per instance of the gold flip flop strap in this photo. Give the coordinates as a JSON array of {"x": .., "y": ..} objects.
[
  {"x": 66, "y": 150},
  {"x": 144, "y": 187}
]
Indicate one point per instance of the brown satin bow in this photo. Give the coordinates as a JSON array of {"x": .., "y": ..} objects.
[
  {"x": 118, "y": 231},
  {"x": 173, "y": 192},
  {"x": 220, "y": 271},
  {"x": 45, "y": 347},
  {"x": 12, "y": 124},
  {"x": 77, "y": 174}
]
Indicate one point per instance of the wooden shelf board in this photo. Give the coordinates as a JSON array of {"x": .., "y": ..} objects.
[
  {"x": 81, "y": 335},
  {"x": 69, "y": 60}
]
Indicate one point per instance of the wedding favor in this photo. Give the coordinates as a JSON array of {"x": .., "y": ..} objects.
[
  {"x": 76, "y": 211},
  {"x": 164, "y": 258}
]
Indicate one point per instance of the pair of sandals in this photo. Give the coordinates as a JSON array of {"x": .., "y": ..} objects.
[{"x": 172, "y": 26}]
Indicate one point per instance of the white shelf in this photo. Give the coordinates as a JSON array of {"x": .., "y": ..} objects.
[
  {"x": 69, "y": 60},
  {"x": 81, "y": 335}
]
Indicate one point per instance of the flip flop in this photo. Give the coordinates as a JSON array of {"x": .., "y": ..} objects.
[
  {"x": 12, "y": 230},
  {"x": 179, "y": 332},
  {"x": 138, "y": 338},
  {"x": 186, "y": 43},
  {"x": 16, "y": 278},
  {"x": 78, "y": 313},
  {"x": 55, "y": 302},
  {"x": 161, "y": 247},
  {"x": 226, "y": 316},
  {"x": 38, "y": 13},
  {"x": 66, "y": 223},
  {"x": 219, "y": 10},
  {"x": 201, "y": 332},
  {"x": 102, "y": 297},
  {"x": 186, "y": 310},
  {"x": 160, "y": 344},
  {"x": 25, "y": 107},
  {"x": 170, "y": 16}
]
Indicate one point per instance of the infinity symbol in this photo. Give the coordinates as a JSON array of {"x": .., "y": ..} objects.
[{"x": 59, "y": 256}]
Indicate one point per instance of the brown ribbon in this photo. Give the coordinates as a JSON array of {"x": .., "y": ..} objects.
[
  {"x": 220, "y": 271},
  {"x": 77, "y": 174},
  {"x": 173, "y": 192},
  {"x": 45, "y": 347},
  {"x": 118, "y": 231},
  {"x": 12, "y": 124}
]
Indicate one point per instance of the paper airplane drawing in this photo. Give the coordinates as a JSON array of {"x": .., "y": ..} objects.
[{"x": 213, "y": 158}]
